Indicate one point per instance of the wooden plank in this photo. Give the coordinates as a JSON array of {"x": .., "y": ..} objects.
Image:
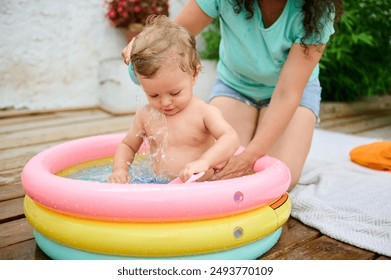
[
  {"x": 9, "y": 176},
  {"x": 8, "y": 192},
  {"x": 355, "y": 117},
  {"x": 383, "y": 258},
  {"x": 48, "y": 134},
  {"x": 50, "y": 115},
  {"x": 10, "y": 186},
  {"x": 11, "y": 209},
  {"x": 15, "y": 232},
  {"x": 294, "y": 234},
  {"x": 12, "y": 113},
  {"x": 49, "y": 120},
  {"x": 17, "y": 157},
  {"x": 23, "y": 119},
  {"x": 357, "y": 124},
  {"x": 27, "y": 250},
  {"x": 325, "y": 248},
  {"x": 339, "y": 109}
]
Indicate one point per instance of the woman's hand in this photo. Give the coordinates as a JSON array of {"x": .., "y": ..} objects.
[
  {"x": 193, "y": 168},
  {"x": 236, "y": 166},
  {"x": 127, "y": 51}
]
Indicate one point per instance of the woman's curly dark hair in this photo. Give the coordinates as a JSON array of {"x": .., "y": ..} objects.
[{"x": 313, "y": 11}]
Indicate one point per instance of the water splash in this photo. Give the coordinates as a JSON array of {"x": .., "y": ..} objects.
[
  {"x": 140, "y": 171},
  {"x": 159, "y": 138}
]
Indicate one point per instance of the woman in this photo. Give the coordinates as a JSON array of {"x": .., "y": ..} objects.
[{"x": 267, "y": 86}]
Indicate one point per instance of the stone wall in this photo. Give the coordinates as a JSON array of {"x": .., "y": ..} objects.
[{"x": 63, "y": 54}]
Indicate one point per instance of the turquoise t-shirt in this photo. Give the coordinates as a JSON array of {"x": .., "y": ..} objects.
[{"x": 252, "y": 56}]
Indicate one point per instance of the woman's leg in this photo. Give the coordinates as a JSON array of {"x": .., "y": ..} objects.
[
  {"x": 294, "y": 144},
  {"x": 242, "y": 117}
]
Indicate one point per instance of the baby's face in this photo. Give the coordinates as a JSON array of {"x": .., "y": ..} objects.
[{"x": 170, "y": 90}]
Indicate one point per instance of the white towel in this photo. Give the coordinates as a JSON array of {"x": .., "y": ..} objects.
[{"x": 341, "y": 199}]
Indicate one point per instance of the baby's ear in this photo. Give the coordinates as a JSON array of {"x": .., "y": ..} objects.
[{"x": 196, "y": 73}]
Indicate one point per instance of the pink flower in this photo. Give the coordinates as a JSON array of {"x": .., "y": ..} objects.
[
  {"x": 136, "y": 9},
  {"x": 121, "y": 13},
  {"x": 111, "y": 14}
]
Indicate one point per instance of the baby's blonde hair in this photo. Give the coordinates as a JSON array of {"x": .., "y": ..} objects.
[{"x": 159, "y": 39}]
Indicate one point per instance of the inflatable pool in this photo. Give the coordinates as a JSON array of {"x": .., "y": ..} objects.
[{"x": 195, "y": 220}]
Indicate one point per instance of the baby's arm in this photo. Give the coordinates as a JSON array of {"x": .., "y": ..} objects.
[
  {"x": 123, "y": 158},
  {"x": 227, "y": 143},
  {"x": 125, "y": 153}
]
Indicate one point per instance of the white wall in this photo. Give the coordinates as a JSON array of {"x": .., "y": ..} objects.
[
  {"x": 61, "y": 54},
  {"x": 50, "y": 52}
]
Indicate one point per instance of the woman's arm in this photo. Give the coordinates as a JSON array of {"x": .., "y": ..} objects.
[
  {"x": 286, "y": 98},
  {"x": 284, "y": 103},
  {"x": 193, "y": 18}
]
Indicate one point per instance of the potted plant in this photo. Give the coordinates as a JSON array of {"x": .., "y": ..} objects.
[{"x": 131, "y": 14}]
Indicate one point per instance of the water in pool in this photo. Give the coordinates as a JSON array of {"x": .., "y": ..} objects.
[{"x": 140, "y": 172}]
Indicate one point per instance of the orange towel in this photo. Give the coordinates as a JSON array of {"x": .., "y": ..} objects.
[{"x": 375, "y": 155}]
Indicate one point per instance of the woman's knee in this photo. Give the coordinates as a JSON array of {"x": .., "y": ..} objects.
[
  {"x": 294, "y": 180},
  {"x": 244, "y": 121}
]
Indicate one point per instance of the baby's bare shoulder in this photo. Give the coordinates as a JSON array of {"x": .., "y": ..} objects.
[
  {"x": 205, "y": 107},
  {"x": 209, "y": 110}
]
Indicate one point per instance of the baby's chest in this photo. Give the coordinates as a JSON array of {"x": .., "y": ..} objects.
[{"x": 178, "y": 134}]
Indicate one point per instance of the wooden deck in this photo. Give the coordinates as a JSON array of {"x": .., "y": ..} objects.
[{"x": 24, "y": 134}]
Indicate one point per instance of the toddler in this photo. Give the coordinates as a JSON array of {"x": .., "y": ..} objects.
[{"x": 185, "y": 134}]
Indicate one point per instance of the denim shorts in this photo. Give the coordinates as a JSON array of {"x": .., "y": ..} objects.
[{"x": 310, "y": 99}]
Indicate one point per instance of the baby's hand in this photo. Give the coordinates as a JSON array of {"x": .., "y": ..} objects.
[
  {"x": 193, "y": 168},
  {"x": 120, "y": 176}
]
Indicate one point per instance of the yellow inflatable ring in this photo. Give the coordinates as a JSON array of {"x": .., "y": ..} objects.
[{"x": 158, "y": 239}]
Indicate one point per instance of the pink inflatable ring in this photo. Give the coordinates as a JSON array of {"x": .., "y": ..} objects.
[{"x": 144, "y": 202}]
